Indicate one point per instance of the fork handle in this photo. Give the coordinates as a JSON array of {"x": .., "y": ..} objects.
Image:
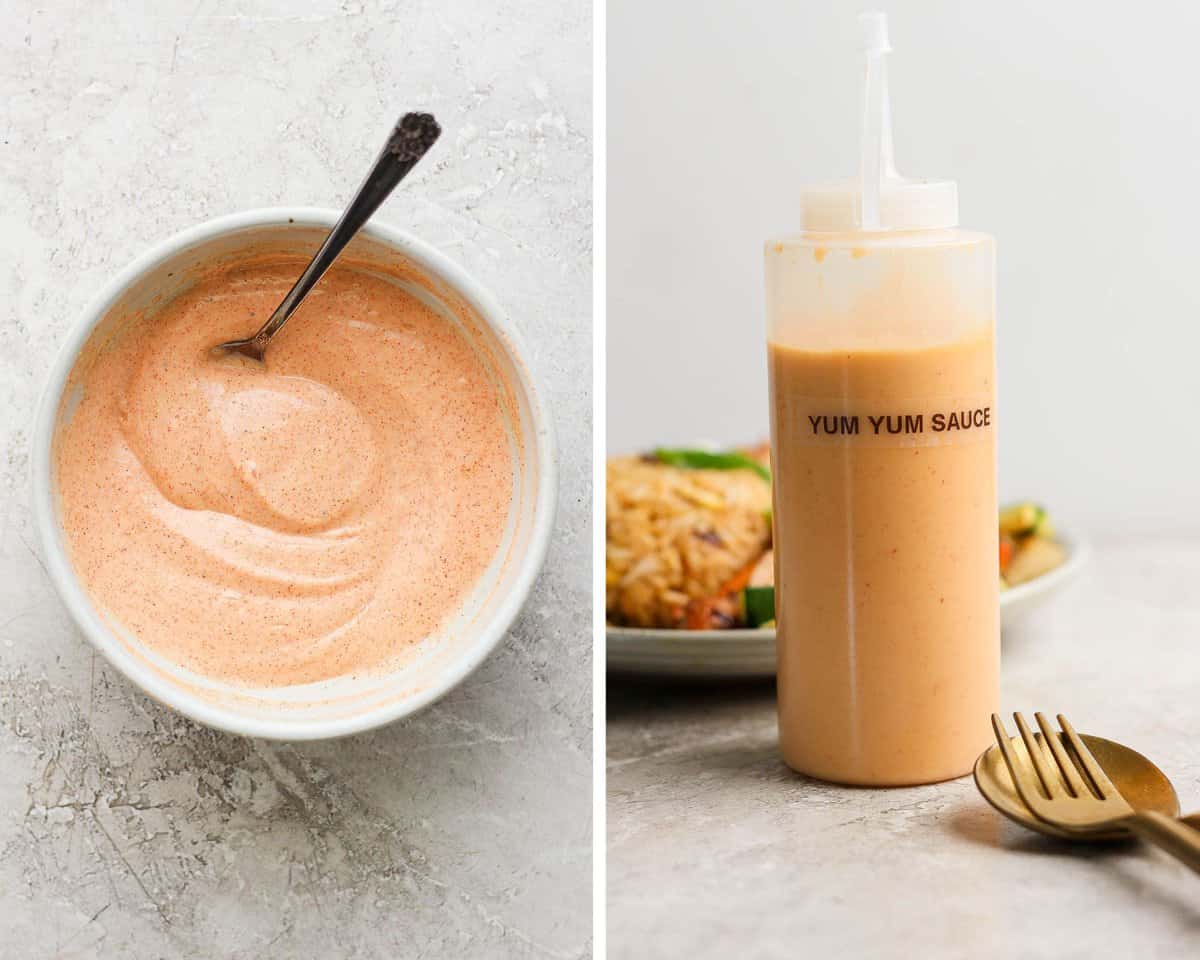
[{"x": 1169, "y": 834}]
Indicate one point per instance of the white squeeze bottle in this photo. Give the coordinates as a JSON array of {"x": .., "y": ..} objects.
[{"x": 883, "y": 430}]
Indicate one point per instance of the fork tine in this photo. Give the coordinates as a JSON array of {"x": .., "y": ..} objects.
[
  {"x": 1104, "y": 786},
  {"x": 1069, "y": 771},
  {"x": 1050, "y": 782},
  {"x": 1021, "y": 779}
]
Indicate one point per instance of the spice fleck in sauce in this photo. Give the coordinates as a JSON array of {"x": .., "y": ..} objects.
[{"x": 291, "y": 522}]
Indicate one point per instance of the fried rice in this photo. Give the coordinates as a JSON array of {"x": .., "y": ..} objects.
[{"x": 676, "y": 535}]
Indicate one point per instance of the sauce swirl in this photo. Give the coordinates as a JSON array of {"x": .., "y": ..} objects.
[{"x": 312, "y": 517}]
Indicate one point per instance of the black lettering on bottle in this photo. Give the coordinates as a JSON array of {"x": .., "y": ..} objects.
[
  {"x": 814, "y": 420},
  {"x": 875, "y": 423},
  {"x": 837, "y": 424},
  {"x": 939, "y": 422}
]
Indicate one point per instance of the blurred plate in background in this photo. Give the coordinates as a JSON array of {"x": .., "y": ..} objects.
[{"x": 751, "y": 653}]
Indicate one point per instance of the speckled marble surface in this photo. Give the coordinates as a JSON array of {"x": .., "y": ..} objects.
[
  {"x": 124, "y": 830},
  {"x": 717, "y": 850}
]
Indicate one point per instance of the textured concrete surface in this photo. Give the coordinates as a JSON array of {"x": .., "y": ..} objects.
[
  {"x": 124, "y": 830},
  {"x": 718, "y": 850}
]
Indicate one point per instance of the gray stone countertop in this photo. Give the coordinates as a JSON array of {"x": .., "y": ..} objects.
[
  {"x": 716, "y": 849},
  {"x": 126, "y": 831}
]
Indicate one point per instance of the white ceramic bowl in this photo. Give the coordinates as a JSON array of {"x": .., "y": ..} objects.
[{"x": 341, "y": 706}]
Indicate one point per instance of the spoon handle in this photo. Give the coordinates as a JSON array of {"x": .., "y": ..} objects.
[
  {"x": 409, "y": 142},
  {"x": 1177, "y": 839}
]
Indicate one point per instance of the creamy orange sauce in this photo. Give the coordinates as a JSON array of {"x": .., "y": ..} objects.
[
  {"x": 883, "y": 420},
  {"x": 316, "y": 516},
  {"x": 886, "y": 544}
]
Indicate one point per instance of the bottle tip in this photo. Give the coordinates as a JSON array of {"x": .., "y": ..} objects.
[{"x": 874, "y": 32}]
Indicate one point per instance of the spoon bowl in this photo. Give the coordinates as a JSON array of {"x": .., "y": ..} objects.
[{"x": 1140, "y": 782}]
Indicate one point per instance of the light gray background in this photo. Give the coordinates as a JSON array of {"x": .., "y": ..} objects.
[
  {"x": 1071, "y": 128},
  {"x": 124, "y": 830}
]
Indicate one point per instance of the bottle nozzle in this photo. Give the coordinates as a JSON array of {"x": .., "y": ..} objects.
[
  {"x": 876, "y": 160},
  {"x": 874, "y": 32},
  {"x": 880, "y": 199}
]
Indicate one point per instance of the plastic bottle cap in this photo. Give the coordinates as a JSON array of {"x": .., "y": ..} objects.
[
  {"x": 880, "y": 199},
  {"x": 903, "y": 205}
]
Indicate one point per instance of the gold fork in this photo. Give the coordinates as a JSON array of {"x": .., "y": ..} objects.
[{"x": 1081, "y": 805}]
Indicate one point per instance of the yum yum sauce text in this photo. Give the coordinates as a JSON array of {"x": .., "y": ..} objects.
[{"x": 900, "y": 424}]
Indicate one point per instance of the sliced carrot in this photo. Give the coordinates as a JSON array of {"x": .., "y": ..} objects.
[
  {"x": 712, "y": 613},
  {"x": 1008, "y": 549},
  {"x": 740, "y": 580},
  {"x": 721, "y": 610}
]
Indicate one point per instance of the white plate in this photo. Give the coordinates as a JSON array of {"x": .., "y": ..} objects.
[{"x": 751, "y": 653}]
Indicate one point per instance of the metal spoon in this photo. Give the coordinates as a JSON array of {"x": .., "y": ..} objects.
[
  {"x": 1139, "y": 781},
  {"x": 409, "y": 142}
]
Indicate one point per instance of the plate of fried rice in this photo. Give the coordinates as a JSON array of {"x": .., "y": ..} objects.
[{"x": 689, "y": 571}]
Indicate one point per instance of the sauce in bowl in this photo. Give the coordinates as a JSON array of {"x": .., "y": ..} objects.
[{"x": 312, "y": 517}]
